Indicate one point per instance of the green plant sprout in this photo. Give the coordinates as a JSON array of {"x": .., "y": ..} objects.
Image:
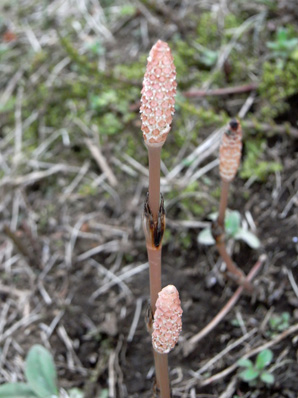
[
  {"x": 279, "y": 323},
  {"x": 284, "y": 46},
  {"x": 234, "y": 228},
  {"x": 41, "y": 375},
  {"x": 207, "y": 57},
  {"x": 255, "y": 372}
]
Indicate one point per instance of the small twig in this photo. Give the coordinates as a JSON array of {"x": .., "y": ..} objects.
[
  {"x": 21, "y": 247},
  {"x": 190, "y": 345},
  {"x": 24, "y": 322},
  {"x": 125, "y": 275},
  {"x": 221, "y": 91},
  {"x": 135, "y": 320},
  {"x": 225, "y": 351},
  {"x": 18, "y": 125},
  {"x": 230, "y": 369},
  {"x": 11, "y": 86},
  {"x": 31, "y": 178},
  {"x": 229, "y": 391},
  {"x": 101, "y": 161},
  {"x": 112, "y": 382},
  {"x": 276, "y": 128},
  {"x": 292, "y": 281}
]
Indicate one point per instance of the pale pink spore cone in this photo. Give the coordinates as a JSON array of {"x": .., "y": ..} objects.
[
  {"x": 158, "y": 95},
  {"x": 230, "y": 151},
  {"x": 167, "y": 323}
]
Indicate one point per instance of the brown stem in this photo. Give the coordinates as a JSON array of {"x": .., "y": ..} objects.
[
  {"x": 223, "y": 312},
  {"x": 160, "y": 360},
  {"x": 223, "y": 202},
  {"x": 234, "y": 272},
  {"x": 162, "y": 374},
  {"x": 154, "y": 258},
  {"x": 218, "y": 229},
  {"x": 154, "y": 179},
  {"x": 232, "y": 267},
  {"x": 154, "y": 226}
]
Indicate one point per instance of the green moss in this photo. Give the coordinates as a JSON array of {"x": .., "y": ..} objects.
[
  {"x": 202, "y": 117},
  {"x": 232, "y": 21},
  {"x": 167, "y": 236},
  {"x": 9, "y": 105},
  {"x": 87, "y": 190},
  {"x": 277, "y": 85},
  {"x": 254, "y": 165},
  {"x": 109, "y": 124},
  {"x": 184, "y": 57},
  {"x": 185, "y": 240},
  {"x": 215, "y": 193},
  {"x": 207, "y": 32},
  {"x": 133, "y": 71}
]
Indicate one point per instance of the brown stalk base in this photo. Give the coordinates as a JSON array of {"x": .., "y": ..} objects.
[
  {"x": 161, "y": 364},
  {"x": 234, "y": 272},
  {"x": 157, "y": 392}
]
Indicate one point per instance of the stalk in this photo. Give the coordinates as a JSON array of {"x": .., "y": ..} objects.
[
  {"x": 154, "y": 154},
  {"x": 157, "y": 109},
  {"x": 236, "y": 272},
  {"x": 229, "y": 160},
  {"x": 154, "y": 259},
  {"x": 225, "y": 185},
  {"x": 154, "y": 233}
]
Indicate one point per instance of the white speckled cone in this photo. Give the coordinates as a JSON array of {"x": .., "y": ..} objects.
[
  {"x": 167, "y": 323},
  {"x": 158, "y": 95},
  {"x": 230, "y": 151}
]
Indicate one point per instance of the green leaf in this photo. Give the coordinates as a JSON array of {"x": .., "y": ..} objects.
[
  {"x": 249, "y": 374},
  {"x": 263, "y": 359},
  {"x": 205, "y": 237},
  {"x": 232, "y": 222},
  {"x": 75, "y": 393},
  {"x": 104, "y": 393},
  {"x": 128, "y": 10},
  {"x": 213, "y": 216},
  {"x": 285, "y": 317},
  {"x": 246, "y": 363},
  {"x": 16, "y": 390},
  {"x": 267, "y": 378},
  {"x": 248, "y": 238},
  {"x": 282, "y": 34},
  {"x": 41, "y": 373}
]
